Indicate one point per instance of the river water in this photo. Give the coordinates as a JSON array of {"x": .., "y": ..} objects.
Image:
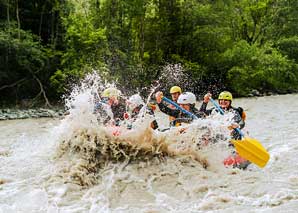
[{"x": 46, "y": 166}]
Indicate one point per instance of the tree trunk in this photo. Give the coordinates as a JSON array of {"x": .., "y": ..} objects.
[
  {"x": 47, "y": 103},
  {"x": 57, "y": 31},
  {"x": 41, "y": 20},
  {"x": 52, "y": 27},
  {"x": 8, "y": 15},
  {"x": 18, "y": 19},
  {"x": 141, "y": 38},
  {"x": 8, "y": 23},
  {"x": 13, "y": 84}
]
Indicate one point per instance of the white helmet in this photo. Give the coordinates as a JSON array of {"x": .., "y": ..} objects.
[
  {"x": 186, "y": 98},
  {"x": 135, "y": 101}
]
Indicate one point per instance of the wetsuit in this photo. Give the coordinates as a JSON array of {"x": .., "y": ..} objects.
[
  {"x": 165, "y": 109},
  {"x": 180, "y": 116},
  {"x": 117, "y": 110}
]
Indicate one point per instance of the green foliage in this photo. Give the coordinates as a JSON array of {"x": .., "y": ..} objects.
[
  {"x": 22, "y": 56},
  {"x": 266, "y": 69},
  {"x": 86, "y": 47},
  {"x": 30, "y": 48},
  {"x": 56, "y": 80},
  {"x": 289, "y": 47},
  {"x": 238, "y": 45}
]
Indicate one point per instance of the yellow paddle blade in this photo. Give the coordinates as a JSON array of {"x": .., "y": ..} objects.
[{"x": 252, "y": 150}]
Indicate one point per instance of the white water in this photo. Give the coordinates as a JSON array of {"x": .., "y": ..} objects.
[{"x": 34, "y": 179}]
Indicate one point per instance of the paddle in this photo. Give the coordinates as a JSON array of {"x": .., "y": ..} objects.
[
  {"x": 179, "y": 107},
  {"x": 248, "y": 148}
]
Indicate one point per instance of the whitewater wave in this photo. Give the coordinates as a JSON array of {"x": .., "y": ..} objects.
[{"x": 88, "y": 147}]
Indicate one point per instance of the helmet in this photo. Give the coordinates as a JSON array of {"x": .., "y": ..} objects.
[
  {"x": 111, "y": 92},
  {"x": 225, "y": 95},
  {"x": 175, "y": 89},
  {"x": 135, "y": 100},
  {"x": 187, "y": 98}
]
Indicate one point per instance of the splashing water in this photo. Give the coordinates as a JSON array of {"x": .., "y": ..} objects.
[
  {"x": 176, "y": 74},
  {"x": 100, "y": 164},
  {"x": 142, "y": 170},
  {"x": 93, "y": 147}
]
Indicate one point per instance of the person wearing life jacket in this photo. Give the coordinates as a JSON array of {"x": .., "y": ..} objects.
[
  {"x": 112, "y": 97},
  {"x": 135, "y": 104},
  {"x": 187, "y": 101},
  {"x": 225, "y": 101},
  {"x": 175, "y": 92}
]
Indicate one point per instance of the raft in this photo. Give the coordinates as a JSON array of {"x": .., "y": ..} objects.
[{"x": 234, "y": 160}]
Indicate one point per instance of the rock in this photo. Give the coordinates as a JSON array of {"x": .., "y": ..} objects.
[
  {"x": 51, "y": 113},
  {"x": 270, "y": 93},
  {"x": 13, "y": 116},
  {"x": 35, "y": 116},
  {"x": 60, "y": 113},
  {"x": 6, "y": 114},
  {"x": 24, "y": 115},
  {"x": 255, "y": 92},
  {"x": 5, "y": 111}
]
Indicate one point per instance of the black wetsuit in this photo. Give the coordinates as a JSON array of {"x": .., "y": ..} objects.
[
  {"x": 180, "y": 116},
  {"x": 117, "y": 110}
]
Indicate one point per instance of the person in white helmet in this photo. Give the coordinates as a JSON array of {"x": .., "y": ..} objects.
[
  {"x": 187, "y": 101},
  {"x": 135, "y": 104}
]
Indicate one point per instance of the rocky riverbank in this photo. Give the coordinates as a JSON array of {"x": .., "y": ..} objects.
[{"x": 9, "y": 114}]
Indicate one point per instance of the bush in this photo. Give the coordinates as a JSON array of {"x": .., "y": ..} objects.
[
  {"x": 289, "y": 47},
  {"x": 262, "y": 68}
]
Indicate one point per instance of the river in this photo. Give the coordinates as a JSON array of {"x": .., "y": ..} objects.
[{"x": 37, "y": 174}]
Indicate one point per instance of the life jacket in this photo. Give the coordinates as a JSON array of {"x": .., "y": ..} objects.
[
  {"x": 172, "y": 118},
  {"x": 175, "y": 122},
  {"x": 241, "y": 112}
]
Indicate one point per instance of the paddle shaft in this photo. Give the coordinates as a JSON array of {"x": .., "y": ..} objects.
[
  {"x": 179, "y": 107},
  {"x": 222, "y": 112}
]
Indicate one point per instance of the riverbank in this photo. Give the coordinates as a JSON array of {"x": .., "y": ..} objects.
[{"x": 10, "y": 114}]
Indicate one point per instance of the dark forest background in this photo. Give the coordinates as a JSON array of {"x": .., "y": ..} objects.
[{"x": 239, "y": 45}]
